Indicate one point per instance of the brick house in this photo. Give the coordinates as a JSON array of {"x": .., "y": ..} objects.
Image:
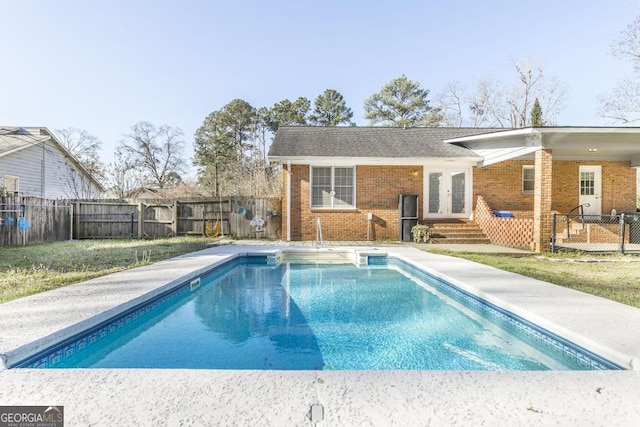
[{"x": 351, "y": 178}]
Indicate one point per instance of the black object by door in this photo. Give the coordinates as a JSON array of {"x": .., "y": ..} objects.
[{"x": 408, "y": 210}]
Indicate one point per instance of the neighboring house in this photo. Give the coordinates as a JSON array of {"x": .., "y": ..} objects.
[
  {"x": 351, "y": 178},
  {"x": 144, "y": 193},
  {"x": 34, "y": 163},
  {"x": 183, "y": 190}
]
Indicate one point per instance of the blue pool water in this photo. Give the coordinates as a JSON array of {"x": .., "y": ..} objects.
[{"x": 252, "y": 314}]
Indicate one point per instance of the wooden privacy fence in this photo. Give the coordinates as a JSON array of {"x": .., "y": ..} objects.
[
  {"x": 31, "y": 220},
  {"x": 240, "y": 217}
]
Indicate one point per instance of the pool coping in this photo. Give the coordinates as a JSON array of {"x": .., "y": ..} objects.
[{"x": 33, "y": 323}]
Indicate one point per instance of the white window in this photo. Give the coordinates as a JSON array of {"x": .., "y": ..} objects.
[
  {"x": 528, "y": 179},
  {"x": 332, "y": 187},
  {"x": 11, "y": 184}
]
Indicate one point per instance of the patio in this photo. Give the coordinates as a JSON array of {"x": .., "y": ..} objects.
[{"x": 205, "y": 397}]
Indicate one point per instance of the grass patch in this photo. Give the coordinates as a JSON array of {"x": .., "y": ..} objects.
[
  {"x": 26, "y": 270},
  {"x": 615, "y": 277}
]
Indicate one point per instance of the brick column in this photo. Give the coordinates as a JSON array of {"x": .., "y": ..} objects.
[
  {"x": 286, "y": 205},
  {"x": 542, "y": 200}
]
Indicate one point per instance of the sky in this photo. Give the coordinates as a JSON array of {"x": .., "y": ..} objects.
[{"x": 103, "y": 66}]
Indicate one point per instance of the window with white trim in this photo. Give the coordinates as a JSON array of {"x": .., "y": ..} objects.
[
  {"x": 332, "y": 187},
  {"x": 528, "y": 179},
  {"x": 11, "y": 184}
]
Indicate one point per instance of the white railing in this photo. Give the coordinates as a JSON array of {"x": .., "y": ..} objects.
[{"x": 319, "y": 232}]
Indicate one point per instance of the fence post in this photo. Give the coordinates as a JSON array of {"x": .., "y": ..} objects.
[
  {"x": 71, "y": 221},
  {"x": 140, "y": 220},
  {"x": 553, "y": 234},
  {"x": 622, "y": 226},
  {"x": 78, "y": 212},
  {"x": 174, "y": 219}
]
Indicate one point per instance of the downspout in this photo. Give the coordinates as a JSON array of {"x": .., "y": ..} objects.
[
  {"x": 288, "y": 200},
  {"x": 42, "y": 170}
]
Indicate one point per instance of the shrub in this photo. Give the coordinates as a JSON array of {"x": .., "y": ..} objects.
[{"x": 421, "y": 233}]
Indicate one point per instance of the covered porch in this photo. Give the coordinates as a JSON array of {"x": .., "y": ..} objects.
[{"x": 536, "y": 172}]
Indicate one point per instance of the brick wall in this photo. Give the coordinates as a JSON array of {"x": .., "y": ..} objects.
[
  {"x": 377, "y": 191},
  {"x": 618, "y": 185},
  {"x": 516, "y": 232},
  {"x": 501, "y": 185}
]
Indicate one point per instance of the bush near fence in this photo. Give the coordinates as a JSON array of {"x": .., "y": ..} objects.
[{"x": 240, "y": 217}]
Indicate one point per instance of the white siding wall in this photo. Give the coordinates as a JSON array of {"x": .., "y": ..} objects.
[{"x": 45, "y": 173}]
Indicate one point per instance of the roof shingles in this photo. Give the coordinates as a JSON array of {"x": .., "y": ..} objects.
[{"x": 384, "y": 142}]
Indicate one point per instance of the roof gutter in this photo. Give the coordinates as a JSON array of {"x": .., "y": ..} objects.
[{"x": 494, "y": 135}]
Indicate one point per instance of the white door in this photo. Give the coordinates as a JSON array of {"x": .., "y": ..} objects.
[
  {"x": 447, "y": 193},
  {"x": 590, "y": 187}
]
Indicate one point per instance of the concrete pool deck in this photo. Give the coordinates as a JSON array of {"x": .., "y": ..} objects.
[{"x": 210, "y": 397}]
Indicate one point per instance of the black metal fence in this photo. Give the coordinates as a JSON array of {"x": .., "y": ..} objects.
[{"x": 596, "y": 233}]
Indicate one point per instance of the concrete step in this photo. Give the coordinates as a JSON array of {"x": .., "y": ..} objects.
[
  {"x": 460, "y": 241},
  {"x": 457, "y": 232}
]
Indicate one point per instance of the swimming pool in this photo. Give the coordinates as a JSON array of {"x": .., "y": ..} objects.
[{"x": 254, "y": 313}]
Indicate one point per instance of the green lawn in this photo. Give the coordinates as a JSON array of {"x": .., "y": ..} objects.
[
  {"x": 26, "y": 270},
  {"x": 614, "y": 277}
]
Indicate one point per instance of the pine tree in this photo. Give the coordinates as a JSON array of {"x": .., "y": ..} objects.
[
  {"x": 330, "y": 109},
  {"x": 536, "y": 114},
  {"x": 401, "y": 102}
]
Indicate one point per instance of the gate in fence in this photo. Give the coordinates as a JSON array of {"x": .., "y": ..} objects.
[
  {"x": 241, "y": 217},
  {"x": 596, "y": 233}
]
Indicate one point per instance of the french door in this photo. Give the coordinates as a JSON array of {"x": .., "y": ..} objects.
[{"x": 448, "y": 193}]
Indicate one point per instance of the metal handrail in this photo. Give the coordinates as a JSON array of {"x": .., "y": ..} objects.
[
  {"x": 581, "y": 207},
  {"x": 319, "y": 232},
  {"x": 581, "y": 215}
]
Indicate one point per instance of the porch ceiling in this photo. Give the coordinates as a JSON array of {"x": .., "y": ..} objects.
[
  {"x": 593, "y": 146},
  {"x": 567, "y": 143}
]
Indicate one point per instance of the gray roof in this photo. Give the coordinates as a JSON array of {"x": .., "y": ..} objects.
[
  {"x": 14, "y": 139},
  {"x": 353, "y": 141}
]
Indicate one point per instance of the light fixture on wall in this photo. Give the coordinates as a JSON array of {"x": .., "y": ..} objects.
[
  {"x": 593, "y": 150},
  {"x": 415, "y": 173}
]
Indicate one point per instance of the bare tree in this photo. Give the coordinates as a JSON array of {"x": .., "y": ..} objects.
[
  {"x": 156, "y": 152},
  {"x": 512, "y": 107},
  {"x": 494, "y": 103},
  {"x": 488, "y": 106},
  {"x": 622, "y": 104},
  {"x": 80, "y": 186},
  {"x": 627, "y": 47},
  {"x": 84, "y": 147},
  {"x": 451, "y": 102},
  {"x": 124, "y": 175}
]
